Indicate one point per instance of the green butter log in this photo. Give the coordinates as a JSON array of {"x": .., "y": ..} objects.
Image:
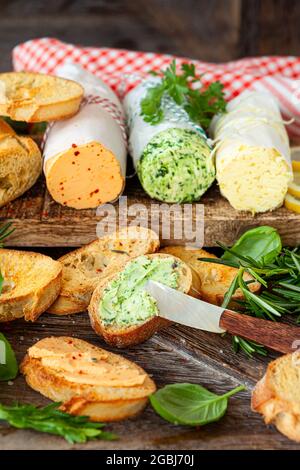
[{"x": 176, "y": 166}]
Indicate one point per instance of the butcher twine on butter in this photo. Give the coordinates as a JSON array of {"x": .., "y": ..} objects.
[
  {"x": 85, "y": 156},
  {"x": 172, "y": 158},
  {"x": 253, "y": 162}
]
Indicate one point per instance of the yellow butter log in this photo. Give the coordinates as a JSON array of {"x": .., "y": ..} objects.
[
  {"x": 85, "y": 156},
  {"x": 253, "y": 163}
]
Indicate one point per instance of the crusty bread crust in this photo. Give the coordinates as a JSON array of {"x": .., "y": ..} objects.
[
  {"x": 34, "y": 97},
  {"x": 80, "y": 281},
  {"x": 20, "y": 164},
  {"x": 100, "y": 403},
  {"x": 277, "y": 408},
  {"x": 122, "y": 338},
  {"x": 214, "y": 279},
  {"x": 36, "y": 284}
]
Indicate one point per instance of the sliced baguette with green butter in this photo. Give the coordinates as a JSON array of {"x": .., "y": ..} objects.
[
  {"x": 36, "y": 97},
  {"x": 20, "y": 164},
  {"x": 85, "y": 267},
  {"x": 88, "y": 380},
  {"x": 136, "y": 319},
  {"x": 276, "y": 396},
  {"x": 215, "y": 279},
  {"x": 31, "y": 284}
]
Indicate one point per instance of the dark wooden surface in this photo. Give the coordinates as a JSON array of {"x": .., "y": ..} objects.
[
  {"x": 175, "y": 355},
  {"x": 218, "y": 30},
  {"x": 39, "y": 221},
  {"x": 214, "y": 30}
]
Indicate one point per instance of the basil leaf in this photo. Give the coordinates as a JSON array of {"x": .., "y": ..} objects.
[
  {"x": 190, "y": 404},
  {"x": 8, "y": 362},
  {"x": 262, "y": 244}
]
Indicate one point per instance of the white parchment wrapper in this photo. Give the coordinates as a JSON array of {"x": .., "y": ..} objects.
[
  {"x": 94, "y": 121},
  {"x": 252, "y": 119},
  {"x": 253, "y": 131},
  {"x": 141, "y": 132}
]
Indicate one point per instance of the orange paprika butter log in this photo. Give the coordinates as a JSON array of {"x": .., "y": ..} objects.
[{"x": 85, "y": 156}]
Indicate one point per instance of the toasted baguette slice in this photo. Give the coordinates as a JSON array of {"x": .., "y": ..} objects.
[
  {"x": 20, "y": 164},
  {"x": 276, "y": 396},
  {"x": 130, "y": 335},
  {"x": 215, "y": 279},
  {"x": 88, "y": 380},
  {"x": 31, "y": 284},
  {"x": 85, "y": 267},
  {"x": 34, "y": 97}
]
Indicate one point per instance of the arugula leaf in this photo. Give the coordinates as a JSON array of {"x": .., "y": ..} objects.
[
  {"x": 201, "y": 103},
  {"x": 50, "y": 419},
  {"x": 190, "y": 404},
  {"x": 8, "y": 362},
  {"x": 262, "y": 244}
]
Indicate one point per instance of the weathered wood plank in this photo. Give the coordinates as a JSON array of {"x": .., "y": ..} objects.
[
  {"x": 195, "y": 29},
  {"x": 39, "y": 221}
]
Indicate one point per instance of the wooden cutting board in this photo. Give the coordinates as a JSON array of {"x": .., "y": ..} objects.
[{"x": 39, "y": 221}]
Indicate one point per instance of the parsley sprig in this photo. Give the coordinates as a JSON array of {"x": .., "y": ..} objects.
[
  {"x": 49, "y": 419},
  {"x": 201, "y": 103}
]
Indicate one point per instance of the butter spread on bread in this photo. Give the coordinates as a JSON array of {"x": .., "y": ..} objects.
[
  {"x": 85, "y": 267},
  {"x": 87, "y": 379},
  {"x": 122, "y": 312}
]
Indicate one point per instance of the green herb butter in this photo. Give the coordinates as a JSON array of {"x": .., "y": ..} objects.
[
  {"x": 176, "y": 166},
  {"x": 125, "y": 302}
]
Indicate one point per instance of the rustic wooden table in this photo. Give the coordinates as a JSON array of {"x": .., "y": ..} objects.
[
  {"x": 220, "y": 31},
  {"x": 177, "y": 354}
]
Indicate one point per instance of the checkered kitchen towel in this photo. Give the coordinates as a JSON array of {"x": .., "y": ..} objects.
[{"x": 122, "y": 69}]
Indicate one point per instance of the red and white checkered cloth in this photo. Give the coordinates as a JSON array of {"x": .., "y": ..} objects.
[{"x": 121, "y": 69}]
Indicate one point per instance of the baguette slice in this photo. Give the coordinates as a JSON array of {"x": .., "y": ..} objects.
[
  {"x": 276, "y": 396},
  {"x": 85, "y": 267},
  {"x": 88, "y": 380},
  {"x": 122, "y": 337},
  {"x": 35, "y": 97},
  {"x": 20, "y": 164},
  {"x": 31, "y": 284},
  {"x": 215, "y": 279}
]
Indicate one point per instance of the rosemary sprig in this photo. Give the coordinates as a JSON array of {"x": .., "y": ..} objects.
[
  {"x": 278, "y": 272},
  {"x": 50, "y": 419}
]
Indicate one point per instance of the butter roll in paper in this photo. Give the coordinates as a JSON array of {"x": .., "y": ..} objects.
[
  {"x": 172, "y": 158},
  {"x": 85, "y": 156},
  {"x": 253, "y": 163}
]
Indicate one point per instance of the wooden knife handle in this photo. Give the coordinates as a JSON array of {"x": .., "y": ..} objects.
[{"x": 276, "y": 336}]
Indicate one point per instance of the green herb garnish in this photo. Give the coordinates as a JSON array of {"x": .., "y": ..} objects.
[
  {"x": 201, "y": 103},
  {"x": 50, "y": 419},
  {"x": 8, "y": 362},
  {"x": 259, "y": 253},
  {"x": 190, "y": 404}
]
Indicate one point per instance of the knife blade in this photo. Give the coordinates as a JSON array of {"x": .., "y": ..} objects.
[
  {"x": 184, "y": 309},
  {"x": 181, "y": 308}
]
